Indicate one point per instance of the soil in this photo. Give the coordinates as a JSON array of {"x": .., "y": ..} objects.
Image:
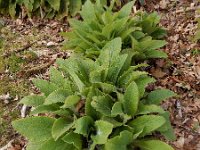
[{"x": 35, "y": 44}]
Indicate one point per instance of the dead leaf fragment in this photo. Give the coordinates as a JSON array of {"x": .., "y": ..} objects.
[
  {"x": 163, "y": 4},
  {"x": 157, "y": 72}
]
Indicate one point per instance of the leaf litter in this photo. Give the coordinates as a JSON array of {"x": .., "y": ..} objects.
[{"x": 180, "y": 73}]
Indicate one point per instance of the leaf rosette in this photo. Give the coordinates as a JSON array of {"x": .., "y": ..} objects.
[{"x": 96, "y": 104}]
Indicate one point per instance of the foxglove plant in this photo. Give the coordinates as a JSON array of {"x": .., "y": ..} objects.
[
  {"x": 140, "y": 33},
  {"x": 44, "y": 8},
  {"x": 96, "y": 104}
]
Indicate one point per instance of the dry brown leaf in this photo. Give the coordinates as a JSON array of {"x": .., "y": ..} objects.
[{"x": 157, "y": 72}]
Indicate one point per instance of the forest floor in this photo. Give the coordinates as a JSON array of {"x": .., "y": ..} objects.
[{"x": 32, "y": 45}]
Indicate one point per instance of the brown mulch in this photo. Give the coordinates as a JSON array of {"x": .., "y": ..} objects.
[{"x": 180, "y": 73}]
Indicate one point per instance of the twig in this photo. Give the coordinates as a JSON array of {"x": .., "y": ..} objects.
[
  {"x": 35, "y": 70},
  {"x": 18, "y": 50}
]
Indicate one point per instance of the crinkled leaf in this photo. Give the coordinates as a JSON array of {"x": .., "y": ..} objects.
[
  {"x": 36, "y": 129},
  {"x": 34, "y": 145},
  {"x": 57, "y": 96},
  {"x": 157, "y": 96},
  {"x": 61, "y": 126},
  {"x": 71, "y": 101},
  {"x": 152, "y": 145},
  {"x": 74, "y": 139},
  {"x": 82, "y": 125},
  {"x": 55, "y": 4},
  {"x": 104, "y": 129},
  {"x": 147, "y": 109},
  {"x": 147, "y": 123},
  {"x": 117, "y": 109},
  {"x": 126, "y": 10},
  {"x": 33, "y": 100},
  {"x": 105, "y": 87},
  {"x": 56, "y": 145},
  {"x": 88, "y": 11},
  {"x": 128, "y": 76},
  {"x": 152, "y": 44},
  {"x": 102, "y": 104},
  {"x": 131, "y": 99},
  {"x": 89, "y": 110},
  {"x": 110, "y": 51},
  {"x": 167, "y": 129},
  {"x": 115, "y": 68},
  {"x": 98, "y": 75},
  {"x": 74, "y": 6},
  {"x": 113, "y": 121},
  {"x": 119, "y": 142},
  {"x": 142, "y": 83},
  {"x": 155, "y": 54},
  {"x": 45, "y": 109},
  {"x": 71, "y": 67},
  {"x": 56, "y": 77},
  {"x": 45, "y": 86}
]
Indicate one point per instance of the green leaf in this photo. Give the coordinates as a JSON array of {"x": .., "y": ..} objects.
[
  {"x": 56, "y": 145},
  {"x": 131, "y": 99},
  {"x": 110, "y": 51},
  {"x": 56, "y": 77},
  {"x": 62, "y": 112},
  {"x": 59, "y": 95},
  {"x": 74, "y": 139},
  {"x": 147, "y": 109},
  {"x": 102, "y": 104},
  {"x": 89, "y": 110},
  {"x": 74, "y": 75},
  {"x": 34, "y": 145},
  {"x": 36, "y": 129},
  {"x": 88, "y": 11},
  {"x": 167, "y": 129},
  {"x": 33, "y": 100},
  {"x": 12, "y": 8},
  {"x": 147, "y": 123},
  {"x": 115, "y": 68},
  {"x": 142, "y": 83},
  {"x": 126, "y": 10},
  {"x": 155, "y": 54},
  {"x": 152, "y": 145},
  {"x": 45, "y": 86},
  {"x": 119, "y": 142},
  {"x": 128, "y": 76},
  {"x": 45, "y": 109},
  {"x": 113, "y": 121},
  {"x": 82, "y": 125},
  {"x": 157, "y": 96},
  {"x": 105, "y": 87},
  {"x": 117, "y": 109},
  {"x": 61, "y": 126},
  {"x": 55, "y": 4},
  {"x": 71, "y": 101},
  {"x": 148, "y": 44},
  {"x": 29, "y": 5},
  {"x": 74, "y": 6},
  {"x": 104, "y": 129},
  {"x": 98, "y": 75}
]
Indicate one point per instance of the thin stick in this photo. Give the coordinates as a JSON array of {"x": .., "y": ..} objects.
[{"x": 18, "y": 50}]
